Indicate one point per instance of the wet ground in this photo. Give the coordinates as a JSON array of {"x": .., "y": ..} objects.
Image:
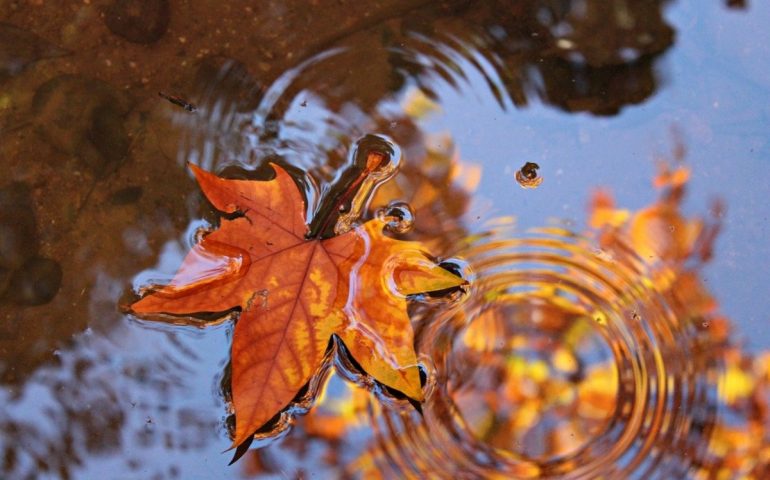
[{"x": 96, "y": 202}]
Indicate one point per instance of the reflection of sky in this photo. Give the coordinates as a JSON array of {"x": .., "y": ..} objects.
[
  {"x": 716, "y": 91},
  {"x": 167, "y": 426},
  {"x": 145, "y": 389}
]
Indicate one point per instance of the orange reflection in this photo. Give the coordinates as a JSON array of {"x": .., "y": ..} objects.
[{"x": 536, "y": 375}]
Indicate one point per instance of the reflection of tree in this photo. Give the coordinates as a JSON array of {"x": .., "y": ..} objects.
[
  {"x": 595, "y": 56},
  {"x": 677, "y": 248},
  {"x": 581, "y": 56}
]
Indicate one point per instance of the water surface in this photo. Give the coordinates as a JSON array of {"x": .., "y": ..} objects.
[{"x": 96, "y": 202}]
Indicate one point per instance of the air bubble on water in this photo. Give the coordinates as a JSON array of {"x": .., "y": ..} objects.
[{"x": 397, "y": 216}]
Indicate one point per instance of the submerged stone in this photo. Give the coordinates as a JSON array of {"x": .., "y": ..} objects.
[
  {"x": 20, "y": 48},
  {"x": 138, "y": 21}
]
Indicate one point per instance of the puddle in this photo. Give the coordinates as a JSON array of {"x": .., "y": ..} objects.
[{"x": 613, "y": 326}]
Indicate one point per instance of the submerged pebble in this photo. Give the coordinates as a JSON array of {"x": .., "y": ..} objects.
[
  {"x": 138, "y": 21},
  {"x": 35, "y": 283},
  {"x": 18, "y": 236},
  {"x": 83, "y": 117}
]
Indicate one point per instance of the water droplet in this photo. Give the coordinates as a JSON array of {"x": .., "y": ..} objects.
[
  {"x": 527, "y": 175},
  {"x": 397, "y": 216}
]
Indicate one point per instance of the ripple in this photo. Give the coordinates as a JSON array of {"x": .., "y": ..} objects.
[{"x": 565, "y": 361}]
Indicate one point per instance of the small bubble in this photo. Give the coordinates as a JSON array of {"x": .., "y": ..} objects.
[
  {"x": 397, "y": 216},
  {"x": 527, "y": 175},
  {"x": 705, "y": 324}
]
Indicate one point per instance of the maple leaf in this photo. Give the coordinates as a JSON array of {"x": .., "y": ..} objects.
[{"x": 295, "y": 293}]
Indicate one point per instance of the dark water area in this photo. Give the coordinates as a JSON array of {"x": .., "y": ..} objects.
[{"x": 616, "y": 326}]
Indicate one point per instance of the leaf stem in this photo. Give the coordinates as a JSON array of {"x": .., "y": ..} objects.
[{"x": 340, "y": 198}]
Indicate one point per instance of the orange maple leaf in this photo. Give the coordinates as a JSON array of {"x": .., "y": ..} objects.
[{"x": 295, "y": 293}]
